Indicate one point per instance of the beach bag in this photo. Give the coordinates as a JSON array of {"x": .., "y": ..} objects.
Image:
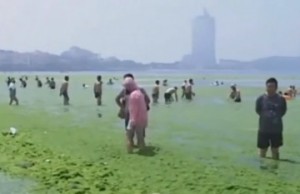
[{"x": 122, "y": 113}]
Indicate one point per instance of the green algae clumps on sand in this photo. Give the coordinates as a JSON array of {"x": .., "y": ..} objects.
[{"x": 194, "y": 148}]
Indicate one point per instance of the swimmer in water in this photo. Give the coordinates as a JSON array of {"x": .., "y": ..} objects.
[
  {"x": 85, "y": 86},
  {"x": 235, "y": 94},
  {"x": 64, "y": 91},
  {"x": 165, "y": 82},
  {"x": 155, "y": 92},
  {"x": 110, "y": 82},
  {"x": 169, "y": 95},
  {"x": 98, "y": 90}
]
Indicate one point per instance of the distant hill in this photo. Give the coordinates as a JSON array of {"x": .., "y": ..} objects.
[
  {"x": 74, "y": 59},
  {"x": 276, "y": 63},
  {"x": 78, "y": 59}
]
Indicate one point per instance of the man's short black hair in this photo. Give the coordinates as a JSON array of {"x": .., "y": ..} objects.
[
  {"x": 157, "y": 82},
  {"x": 67, "y": 78},
  {"x": 128, "y": 75},
  {"x": 272, "y": 80},
  {"x": 99, "y": 77}
]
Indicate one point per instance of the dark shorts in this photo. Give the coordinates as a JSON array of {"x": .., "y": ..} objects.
[
  {"x": 238, "y": 100},
  {"x": 97, "y": 94},
  {"x": 155, "y": 96},
  {"x": 66, "y": 96},
  {"x": 266, "y": 140},
  {"x": 188, "y": 96},
  {"x": 168, "y": 97}
]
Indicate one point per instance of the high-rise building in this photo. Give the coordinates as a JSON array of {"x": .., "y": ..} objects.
[{"x": 203, "y": 41}]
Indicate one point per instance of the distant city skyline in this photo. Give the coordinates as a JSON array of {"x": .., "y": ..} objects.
[{"x": 150, "y": 31}]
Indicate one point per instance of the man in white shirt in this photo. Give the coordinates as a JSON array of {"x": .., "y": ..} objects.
[
  {"x": 13, "y": 92},
  {"x": 169, "y": 95}
]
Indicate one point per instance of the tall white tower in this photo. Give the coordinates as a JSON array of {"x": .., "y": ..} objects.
[{"x": 203, "y": 40}]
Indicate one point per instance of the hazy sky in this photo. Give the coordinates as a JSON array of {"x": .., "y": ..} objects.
[{"x": 150, "y": 30}]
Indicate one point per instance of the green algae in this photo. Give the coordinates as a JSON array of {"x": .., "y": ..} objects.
[{"x": 78, "y": 152}]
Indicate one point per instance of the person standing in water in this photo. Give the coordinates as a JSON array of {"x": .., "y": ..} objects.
[
  {"x": 189, "y": 90},
  {"x": 183, "y": 87},
  {"x": 39, "y": 83},
  {"x": 52, "y": 84},
  {"x": 47, "y": 81},
  {"x": 169, "y": 95},
  {"x": 271, "y": 107},
  {"x": 13, "y": 92},
  {"x": 64, "y": 91},
  {"x": 8, "y": 80},
  {"x": 138, "y": 115},
  {"x": 23, "y": 83},
  {"x": 98, "y": 90},
  {"x": 121, "y": 101},
  {"x": 155, "y": 92},
  {"x": 235, "y": 94}
]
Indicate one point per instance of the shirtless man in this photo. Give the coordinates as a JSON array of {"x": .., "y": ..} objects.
[
  {"x": 13, "y": 92},
  {"x": 47, "y": 81},
  {"x": 23, "y": 83},
  {"x": 39, "y": 83},
  {"x": 165, "y": 83},
  {"x": 52, "y": 84},
  {"x": 110, "y": 82},
  {"x": 235, "y": 94},
  {"x": 64, "y": 91},
  {"x": 155, "y": 92},
  {"x": 98, "y": 90},
  {"x": 294, "y": 91},
  {"x": 183, "y": 86},
  {"x": 8, "y": 80},
  {"x": 169, "y": 95},
  {"x": 289, "y": 92},
  {"x": 189, "y": 90}
]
